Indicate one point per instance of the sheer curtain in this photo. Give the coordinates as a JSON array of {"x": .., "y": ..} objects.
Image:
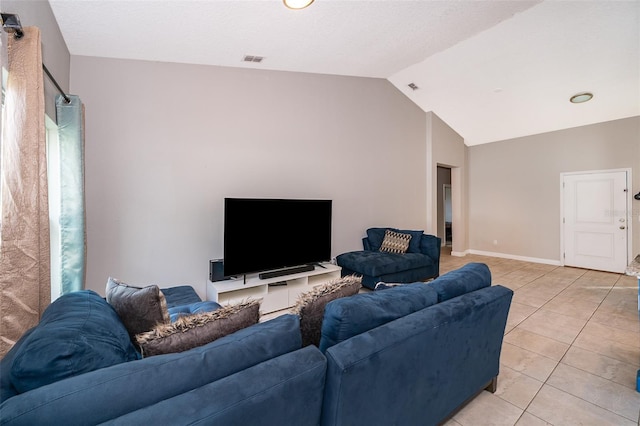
[{"x": 24, "y": 235}]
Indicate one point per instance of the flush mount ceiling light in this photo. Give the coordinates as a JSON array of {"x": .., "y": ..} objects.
[
  {"x": 581, "y": 97},
  {"x": 297, "y": 4}
]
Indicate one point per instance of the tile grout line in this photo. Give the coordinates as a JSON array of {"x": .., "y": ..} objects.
[
  {"x": 570, "y": 345},
  {"x": 565, "y": 353},
  {"x": 558, "y": 362}
]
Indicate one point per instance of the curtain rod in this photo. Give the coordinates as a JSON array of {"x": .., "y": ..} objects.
[
  {"x": 11, "y": 24},
  {"x": 55, "y": 83}
]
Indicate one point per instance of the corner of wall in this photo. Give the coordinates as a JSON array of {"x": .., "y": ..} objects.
[{"x": 446, "y": 147}]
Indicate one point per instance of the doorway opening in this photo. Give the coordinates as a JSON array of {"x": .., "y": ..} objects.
[
  {"x": 448, "y": 233},
  {"x": 445, "y": 206}
]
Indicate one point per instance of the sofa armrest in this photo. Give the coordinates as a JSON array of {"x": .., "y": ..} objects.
[
  {"x": 366, "y": 244},
  {"x": 430, "y": 246}
]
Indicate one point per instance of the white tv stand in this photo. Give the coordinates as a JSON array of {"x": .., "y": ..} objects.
[{"x": 274, "y": 297}]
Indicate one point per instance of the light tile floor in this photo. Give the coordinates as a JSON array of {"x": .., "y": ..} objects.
[{"x": 571, "y": 348}]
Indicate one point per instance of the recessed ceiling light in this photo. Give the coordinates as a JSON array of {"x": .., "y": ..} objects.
[
  {"x": 297, "y": 4},
  {"x": 581, "y": 97}
]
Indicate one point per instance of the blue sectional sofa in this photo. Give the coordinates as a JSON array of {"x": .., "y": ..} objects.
[
  {"x": 420, "y": 262},
  {"x": 406, "y": 355}
]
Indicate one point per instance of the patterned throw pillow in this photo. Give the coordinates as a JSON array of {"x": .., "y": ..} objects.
[
  {"x": 139, "y": 309},
  {"x": 395, "y": 242},
  {"x": 310, "y": 306},
  {"x": 191, "y": 331}
]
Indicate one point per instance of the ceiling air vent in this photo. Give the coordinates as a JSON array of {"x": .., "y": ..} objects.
[
  {"x": 251, "y": 58},
  {"x": 413, "y": 86}
]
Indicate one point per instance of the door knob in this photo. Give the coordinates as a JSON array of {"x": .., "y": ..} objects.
[{"x": 622, "y": 227}]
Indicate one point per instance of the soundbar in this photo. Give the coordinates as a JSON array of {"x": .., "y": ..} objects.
[{"x": 287, "y": 271}]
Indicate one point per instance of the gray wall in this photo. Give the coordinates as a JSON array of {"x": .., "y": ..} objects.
[
  {"x": 514, "y": 185},
  {"x": 55, "y": 54},
  {"x": 165, "y": 143},
  {"x": 446, "y": 148}
]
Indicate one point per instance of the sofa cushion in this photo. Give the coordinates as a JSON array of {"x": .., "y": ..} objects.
[
  {"x": 472, "y": 276},
  {"x": 310, "y": 306},
  {"x": 180, "y": 295},
  {"x": 140, "y": 309},
  {"x": 395, "y": 242},
  {"x": 376, "y": 264},
  {"x": 345, "y": 318},
  {"x": 191, "y": 331},
  {"x": 194, "y": 308},
  {"x": 376, "y": 236},
  {"x": 78, "y": 333}
]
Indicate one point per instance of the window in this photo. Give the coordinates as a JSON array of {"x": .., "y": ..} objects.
[{"x": 53, "y": 176}]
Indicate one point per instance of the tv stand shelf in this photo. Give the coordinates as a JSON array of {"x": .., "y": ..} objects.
[{"x": 276, "y": 293}]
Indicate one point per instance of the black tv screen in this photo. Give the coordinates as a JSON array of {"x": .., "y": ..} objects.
[{"x": 268, "y": 234}]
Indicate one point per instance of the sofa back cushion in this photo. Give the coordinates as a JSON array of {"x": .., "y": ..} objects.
[
  {"x": 180, "y": 295},
  {"x": 78, "y": 333},
  {"x": 471, "y": 277},
  {"x": 310, "y": 305},
  {"x": 108, "y": 393},
  {"x": 286, "y": 390},
  {"x": 418, "y": 369},
  {"x": 347, "y": 317}
]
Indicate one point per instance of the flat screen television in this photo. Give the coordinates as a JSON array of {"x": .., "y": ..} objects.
[{"x": 263, "y": 234}]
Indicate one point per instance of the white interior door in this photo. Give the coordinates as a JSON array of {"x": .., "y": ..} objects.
[{"x": 595, "y": 222}]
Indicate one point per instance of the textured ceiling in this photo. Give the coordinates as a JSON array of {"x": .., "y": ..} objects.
[{"x": 491, "y": 69}]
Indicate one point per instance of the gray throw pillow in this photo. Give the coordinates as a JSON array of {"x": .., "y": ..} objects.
[
  {"x": 310, "y": 306},
  {"x": 191, "y": 331},
  {"x": 139, "y": 309}
]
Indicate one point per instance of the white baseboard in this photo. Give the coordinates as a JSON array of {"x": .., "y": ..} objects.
[{"x": 512, "y": 257}]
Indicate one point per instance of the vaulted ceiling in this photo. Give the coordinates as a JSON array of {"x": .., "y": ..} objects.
[{"x": 492, "y": 70}]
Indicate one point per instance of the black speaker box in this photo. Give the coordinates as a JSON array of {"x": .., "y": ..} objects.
[{"x": 216, "y": 270}]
